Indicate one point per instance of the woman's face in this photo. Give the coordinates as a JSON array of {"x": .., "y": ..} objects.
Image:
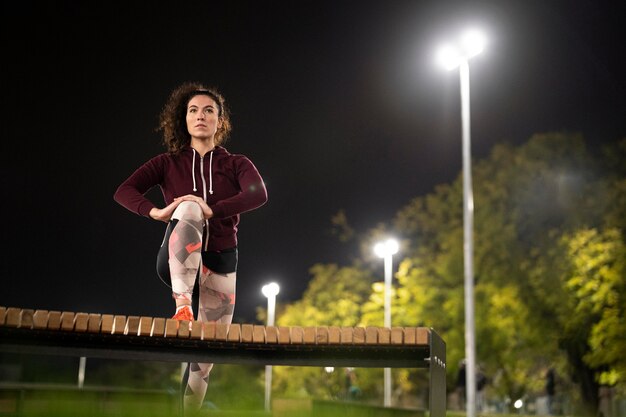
[{"x": 202, "y": 117}]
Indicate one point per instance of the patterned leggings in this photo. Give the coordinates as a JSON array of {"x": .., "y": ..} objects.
[{"x": 179, "y": 263}]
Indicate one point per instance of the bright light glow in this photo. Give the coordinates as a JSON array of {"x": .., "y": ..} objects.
[
  {"x": 471, "y": 43},
  {"x": 518, "y": 404},
  {"x": 329, "y": 369},
  {"x": 448, "y": 57},
  {"x": 386, "y": 248},
  {"x": 270, "y": 290}
]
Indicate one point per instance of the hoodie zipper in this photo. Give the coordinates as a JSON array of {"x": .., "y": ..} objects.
[{"x": 204, "y": 196}]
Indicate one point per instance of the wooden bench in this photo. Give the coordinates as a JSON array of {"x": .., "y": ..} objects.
[{"x": 147, "y": 338}]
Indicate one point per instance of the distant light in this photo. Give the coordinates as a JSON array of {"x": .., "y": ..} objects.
[
  {"x": 386, "y": 248},
  {"x": 329, "y": 369},
  {"x": 518, "y": 404},
  {"x": 270, "y": 290},
  {"x": 471, "y": 43}
]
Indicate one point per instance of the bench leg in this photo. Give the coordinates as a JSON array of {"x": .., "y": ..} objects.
[{"x": 437, "y": 385}]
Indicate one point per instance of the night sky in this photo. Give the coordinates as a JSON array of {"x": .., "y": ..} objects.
[{"x": 338, "y": 103}]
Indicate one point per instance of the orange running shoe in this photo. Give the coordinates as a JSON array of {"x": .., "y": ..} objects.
[{"x": 184, "y": 313}]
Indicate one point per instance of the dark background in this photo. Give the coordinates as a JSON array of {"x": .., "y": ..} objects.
[{"x": 338, "y": 103}]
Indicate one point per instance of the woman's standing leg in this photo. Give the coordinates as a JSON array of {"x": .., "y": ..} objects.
[{"x": 216, "y": 304}]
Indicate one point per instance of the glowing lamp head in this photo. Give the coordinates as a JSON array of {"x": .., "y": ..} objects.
[
  {"x": 270, "y": 290},
  {"x": 386, "y": 248},
  {"x": 449, "y": 57},
  {"x": 473, "y": 42}
]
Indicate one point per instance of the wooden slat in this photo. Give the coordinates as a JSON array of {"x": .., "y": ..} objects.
[
  {"x": 40, "y": 319},
  {"x": 184, "y": 329},
  {"x": 409, "y": 335},
  {"x": 384, "y": 335},
  {"x": 284, "y": 335},
  {"x": 145, "y": 326},
  {"x": 67, "y": 321},
  {"x": 358, "y": 335},
  {"x": 422, "y": 336},
  {"x": 81, "y": 321},
  {"x": 347, "y": 335},
  {"x": 322, "y": 335},
  {"x": 26, "y": 319},
  {"x": 13, "y": 317},
  {"x": 119, "y": 324},
  {"x": 158, "y": 327},
  {"x": 271, "y": 334},
  {"x": 93, "y": 324},
  {"x": 397, "y": 335},
  {"x": 3, "y": 315},
  {"x": 258, "y": 334},
  {"x": 54, "y": 320},
  {"x": 297, "y": 335},
  {"x": 106, "y": 325},
  {"x": 334, "y": 335},
  {"x": 234, "y": 333},
  {"x": 246, "y": 333},
  {"x": 310, "y": 335},
  {"x": 132, "y": 325},
  {"x": 221, "y": 332},
  {"x": 196, "y": 330},
  {"x": 371, "y": 335},
  {"x": 208, "y": 330},
  {"x": 171, "y": 328}
]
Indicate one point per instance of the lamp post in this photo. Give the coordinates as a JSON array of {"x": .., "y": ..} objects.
[
  {"x": 270, "y": 291},
  {"x": 451, "y": 57},
  {"x": 81, "y": 371},
  {"x": 386, "y": 250}
]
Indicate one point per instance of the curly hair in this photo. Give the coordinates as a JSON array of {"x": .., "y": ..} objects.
[{"x": 173, "y": 122}]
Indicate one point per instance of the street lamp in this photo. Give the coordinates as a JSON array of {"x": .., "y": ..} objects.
[
  {"x": 270, "y": 291},
  {"x": 450, "y": 57},
  {"x": 386, "y": 250}
]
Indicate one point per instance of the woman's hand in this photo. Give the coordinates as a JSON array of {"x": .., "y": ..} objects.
[
  {"x": 164, "y": 214},
  {"x": 206, "y": 210}
]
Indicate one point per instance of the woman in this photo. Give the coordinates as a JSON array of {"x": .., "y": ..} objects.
[{"x": 205, "y": 190}]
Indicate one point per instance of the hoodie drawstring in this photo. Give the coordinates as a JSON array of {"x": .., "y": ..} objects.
[
  {"x": 193, "y": 166},
  {"x": 211, "y": 173}
]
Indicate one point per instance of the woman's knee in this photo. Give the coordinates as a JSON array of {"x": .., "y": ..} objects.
[{"x": 188, "y": 210}]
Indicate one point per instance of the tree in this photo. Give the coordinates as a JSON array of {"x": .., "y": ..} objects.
[
  {"x": 526, "y": 198},
  {"x": 333, "y": 297}
]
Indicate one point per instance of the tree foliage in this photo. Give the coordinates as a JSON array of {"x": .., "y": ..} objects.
[{"x": 597, "y": 286}]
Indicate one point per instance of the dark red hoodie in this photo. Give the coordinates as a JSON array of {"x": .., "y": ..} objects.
[{"x": 229, "y": 183}]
